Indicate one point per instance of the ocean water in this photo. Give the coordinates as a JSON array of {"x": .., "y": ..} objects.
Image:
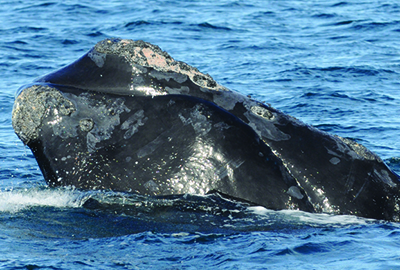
[{"x": 333, "y": 64}]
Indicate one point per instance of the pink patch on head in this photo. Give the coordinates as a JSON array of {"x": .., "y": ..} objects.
[
  {"x": 124, "y": 42},
  {"x": 154, "y": 59}
]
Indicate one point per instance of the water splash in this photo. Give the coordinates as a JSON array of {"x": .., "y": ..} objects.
[
  {"x": 311, "y": 219},
  {"x": 15, "y": 200}
]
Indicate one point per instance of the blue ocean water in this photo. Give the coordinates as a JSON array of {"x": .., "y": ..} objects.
[{"x": 333, "y": 64}]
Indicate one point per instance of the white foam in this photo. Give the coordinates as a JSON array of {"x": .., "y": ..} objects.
[
  {"x": 305, "y": 217},
  {"x": 17, "y": 200}
]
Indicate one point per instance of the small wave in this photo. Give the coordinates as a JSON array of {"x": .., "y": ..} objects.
[
  {"x": 324, "y": 15},
  {"x": 136, "y": 23},
  {"x": 211, "y": 26},
  {"x": 365, "y": 25},
  {"x": 27, "y": 29},
  {"x": 95, "y": 34},
  {"x": 69, "y": 41},
  {"x": 17, "y": 200},
  {"x": 36, "y": 6},
  {"x": 340, "y": 4},
  {"x": 394, "y": 163},
  {"x": 343, "y": 23},
  {"x": 361, "y": 70},
  {"x": 374, "y": 26}
]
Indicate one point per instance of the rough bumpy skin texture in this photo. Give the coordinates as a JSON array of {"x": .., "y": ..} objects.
[
  {"x": 126, "y": 116},
  {"x": 40, "y": 100},
  {"x": 148, "y": 55}
]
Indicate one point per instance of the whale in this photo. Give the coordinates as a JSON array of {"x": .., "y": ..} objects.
[{"x": 128, "y": 117}]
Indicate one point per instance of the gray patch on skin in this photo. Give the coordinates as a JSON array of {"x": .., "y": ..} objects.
[
  {"x": 33, "y": 105},
  {"x": 132, "y": 124},
  {"x": 295, "y": 192},
  {"x": 137, "y": 79},
  {"x": 334, "y": 160},
  {"x": 199, "y": 122},
  {"x": 105, "y": 117},
  {"x": 221, "y": 126},
  {"x": 103, "y": 131},
  {"x": 61, "y": 129},
  {"x": 139, "y": 69},
  {"x": 228, "y": 99},
  {"x": 97, "y": 57},
  {"x": 184, "y": 90},
  {"x": 178, "y": 77},
  {"x": 151, "y": 146},
  {"x": 91, "y": 141}
]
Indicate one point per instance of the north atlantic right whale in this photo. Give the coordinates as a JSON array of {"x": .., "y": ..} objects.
[{"x": 127, "y": 117}]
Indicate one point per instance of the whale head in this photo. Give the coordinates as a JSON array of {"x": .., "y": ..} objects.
[{"x": 128, "y": 117}]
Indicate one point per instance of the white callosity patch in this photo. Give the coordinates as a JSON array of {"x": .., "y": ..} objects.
[
  {"x": 259, "y": 117},
  {"x": 36, "y": 103},
  {"x": 261, "y": 111},
  {"x": 146, "y": 58},
  {"x": 86, "y": 125}
]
